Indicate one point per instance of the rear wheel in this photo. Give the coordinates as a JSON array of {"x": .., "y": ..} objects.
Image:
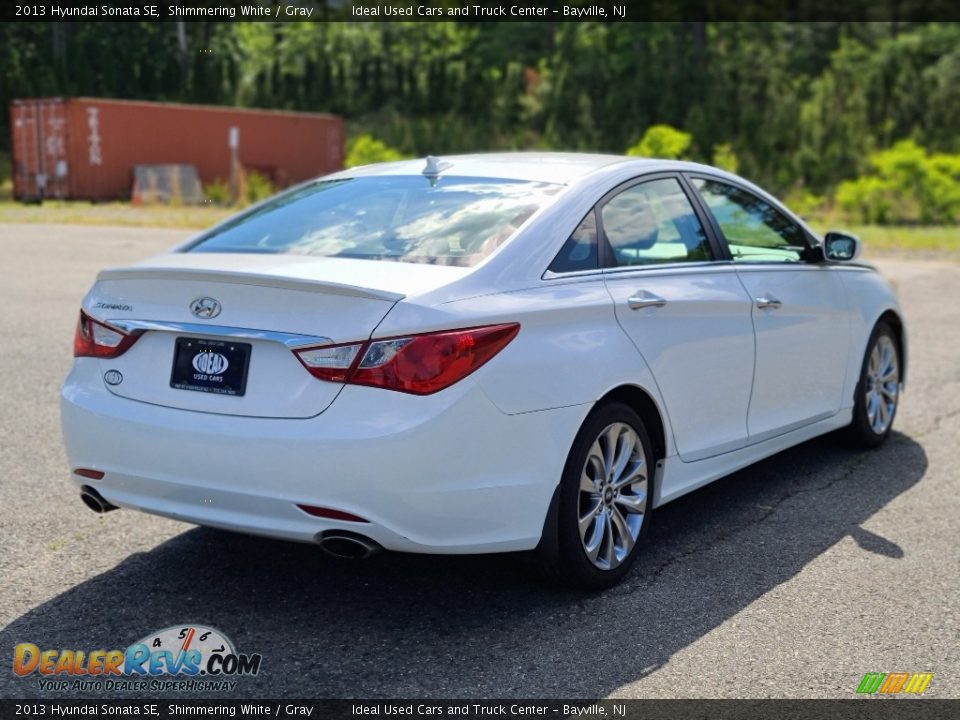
[
  {"x": 878, "y": 392},
  {"x": 605, "y": 498}
]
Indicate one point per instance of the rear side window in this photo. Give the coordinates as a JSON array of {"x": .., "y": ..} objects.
[
  {"x": 652, "y": 223},
  {"x": 754, "y": 229},
  {"x": 443, "y": 221},
  {"x": 579, "y": 252}
]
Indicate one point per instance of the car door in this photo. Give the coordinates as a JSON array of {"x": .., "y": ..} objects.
[
  {"x": 687, "y": 315},
  {"x": 800, "y": 317}
]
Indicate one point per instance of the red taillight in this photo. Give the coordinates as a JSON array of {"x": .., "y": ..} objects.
[
  {"x": 94, "y": 339},
  {"x": 418, "y": 364},
  {"x": 88, "y": 473},
  {"x": 332, "y": 362},
  {"x": 425, "y": 364}
]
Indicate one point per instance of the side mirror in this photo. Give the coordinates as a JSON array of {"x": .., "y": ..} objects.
[{"x": 841, "y": 247}]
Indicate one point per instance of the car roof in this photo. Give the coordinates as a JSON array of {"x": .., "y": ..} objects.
[{"x": 553, "y": 167}]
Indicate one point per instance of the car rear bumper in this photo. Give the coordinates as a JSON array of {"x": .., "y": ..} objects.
[{"x": 445, "y": 473}]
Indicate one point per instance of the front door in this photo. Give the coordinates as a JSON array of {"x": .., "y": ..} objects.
[{"x": 800, "y": 316}]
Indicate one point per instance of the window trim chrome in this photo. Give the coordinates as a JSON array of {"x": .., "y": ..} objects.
[
  {"x": 289, "y": 340},
  {"x": 699, "y": 265}
]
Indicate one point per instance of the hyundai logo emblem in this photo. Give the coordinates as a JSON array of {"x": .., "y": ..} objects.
[{"x": 205, "y": 308}]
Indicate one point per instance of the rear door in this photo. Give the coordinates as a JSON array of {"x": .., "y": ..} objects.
[
  {"x": 800, "y": 312},
  {"x": 687, "y": 314}
]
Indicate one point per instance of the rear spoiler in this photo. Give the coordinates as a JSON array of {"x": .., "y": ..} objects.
[{"x": 243, "y": 278}]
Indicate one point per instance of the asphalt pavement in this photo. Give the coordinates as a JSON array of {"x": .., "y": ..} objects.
[{"x": 791, "y": 578}]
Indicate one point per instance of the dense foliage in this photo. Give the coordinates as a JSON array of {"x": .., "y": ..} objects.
[
  {"x": 905, "y": 183},
  {"x": 799, "y": 107}
]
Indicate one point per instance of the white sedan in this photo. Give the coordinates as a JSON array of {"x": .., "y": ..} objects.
[{"x": 485, "y": 353}]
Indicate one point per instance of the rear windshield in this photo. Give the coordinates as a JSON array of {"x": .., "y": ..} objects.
[{"x": 443, "y": 221}]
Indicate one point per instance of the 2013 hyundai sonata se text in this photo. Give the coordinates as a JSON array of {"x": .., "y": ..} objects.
[{"x": 473, "y": 354}]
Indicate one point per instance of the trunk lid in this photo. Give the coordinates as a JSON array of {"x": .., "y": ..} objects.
[{"x": 264, "y": 306}]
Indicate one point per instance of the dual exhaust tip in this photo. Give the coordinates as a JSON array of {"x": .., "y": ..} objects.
[
  {"x": 95, "y": 501},
  {"x": 340, "y": 544},
  {"x": 346, "y": 545}
]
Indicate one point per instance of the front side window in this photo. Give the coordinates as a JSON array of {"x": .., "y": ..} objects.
[
  {"x": 754, "y": 229},
  {"x": 442, "y": 221},
  {"x": 653, "y": 223}
]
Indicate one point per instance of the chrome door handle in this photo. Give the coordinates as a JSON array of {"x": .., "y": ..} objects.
[
  {"x": 768, "y": 301},
  {"x": 644, "y": 299}
]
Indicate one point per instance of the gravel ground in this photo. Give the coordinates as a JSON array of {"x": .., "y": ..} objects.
[{"x": 789, "y": 579}]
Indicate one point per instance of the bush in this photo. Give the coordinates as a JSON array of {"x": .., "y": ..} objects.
[
  {"x": 366, "y": 149},
  {"x": 218, "y": 192},
  {"x": 905, "y": 184},
  {"x": 253, "y": 188},
  {"x": 725, "y": 158},
  {"x": 940, "y": 191},
  {"x": 662, "y": 141},
  {"x": 805, "y": 203},
  {"x": 256, "y": 187},
  {"x": 866, "y": 198}
]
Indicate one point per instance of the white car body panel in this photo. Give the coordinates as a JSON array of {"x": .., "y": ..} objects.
[
  {"x": 870, "y": 296},
  {"x": 277, "y": 384},
  {"x": 559, "y": 350},
  {"x": 679, "y": 477},
  {"x": 810, "y": 330},
  {"x": 472, "y": 468},
  {"x": 699, "y": 347},
  {"x": 344, "y": 276},
  {"x": 248, "y": 474}
]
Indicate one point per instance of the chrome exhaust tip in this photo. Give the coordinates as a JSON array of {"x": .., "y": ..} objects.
[
  {"x": 347, "y": 546},
  {"x": 95, "y": 501}
]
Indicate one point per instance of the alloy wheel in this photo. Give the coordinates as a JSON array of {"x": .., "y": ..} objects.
[
  {"x": 613, "y": 496},
  {"x": 882, "y": 385}
]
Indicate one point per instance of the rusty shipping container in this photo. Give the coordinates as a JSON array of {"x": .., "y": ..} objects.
[{"x": 86, "y": 148}]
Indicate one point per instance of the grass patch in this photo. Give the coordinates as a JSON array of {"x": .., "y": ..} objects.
[{"x": 84, "y": 213}]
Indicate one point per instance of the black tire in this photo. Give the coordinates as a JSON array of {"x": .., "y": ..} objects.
[
  {"x": 574, "y": 567},
  {"x": 861, "y": 431}
]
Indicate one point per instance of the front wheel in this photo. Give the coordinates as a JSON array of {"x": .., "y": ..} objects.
[
  {"x": 605, "y": 498},
  {"x": 878, "y": 392}
]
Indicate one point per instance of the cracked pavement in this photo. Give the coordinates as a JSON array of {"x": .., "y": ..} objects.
[{"x": 791, "y": 578}]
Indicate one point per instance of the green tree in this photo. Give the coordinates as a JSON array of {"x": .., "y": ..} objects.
[
  {"x": 366, "y": 149},
  {"x": 804, "y": 105},
  {"x": 725, "y": 158},
  {"x": 662, "y": 141}
]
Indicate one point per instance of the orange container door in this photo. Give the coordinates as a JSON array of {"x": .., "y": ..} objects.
[{"x": 40, "y": 166}]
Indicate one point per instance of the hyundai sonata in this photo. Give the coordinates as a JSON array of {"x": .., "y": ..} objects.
[{"x": 487, "y": 353}]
